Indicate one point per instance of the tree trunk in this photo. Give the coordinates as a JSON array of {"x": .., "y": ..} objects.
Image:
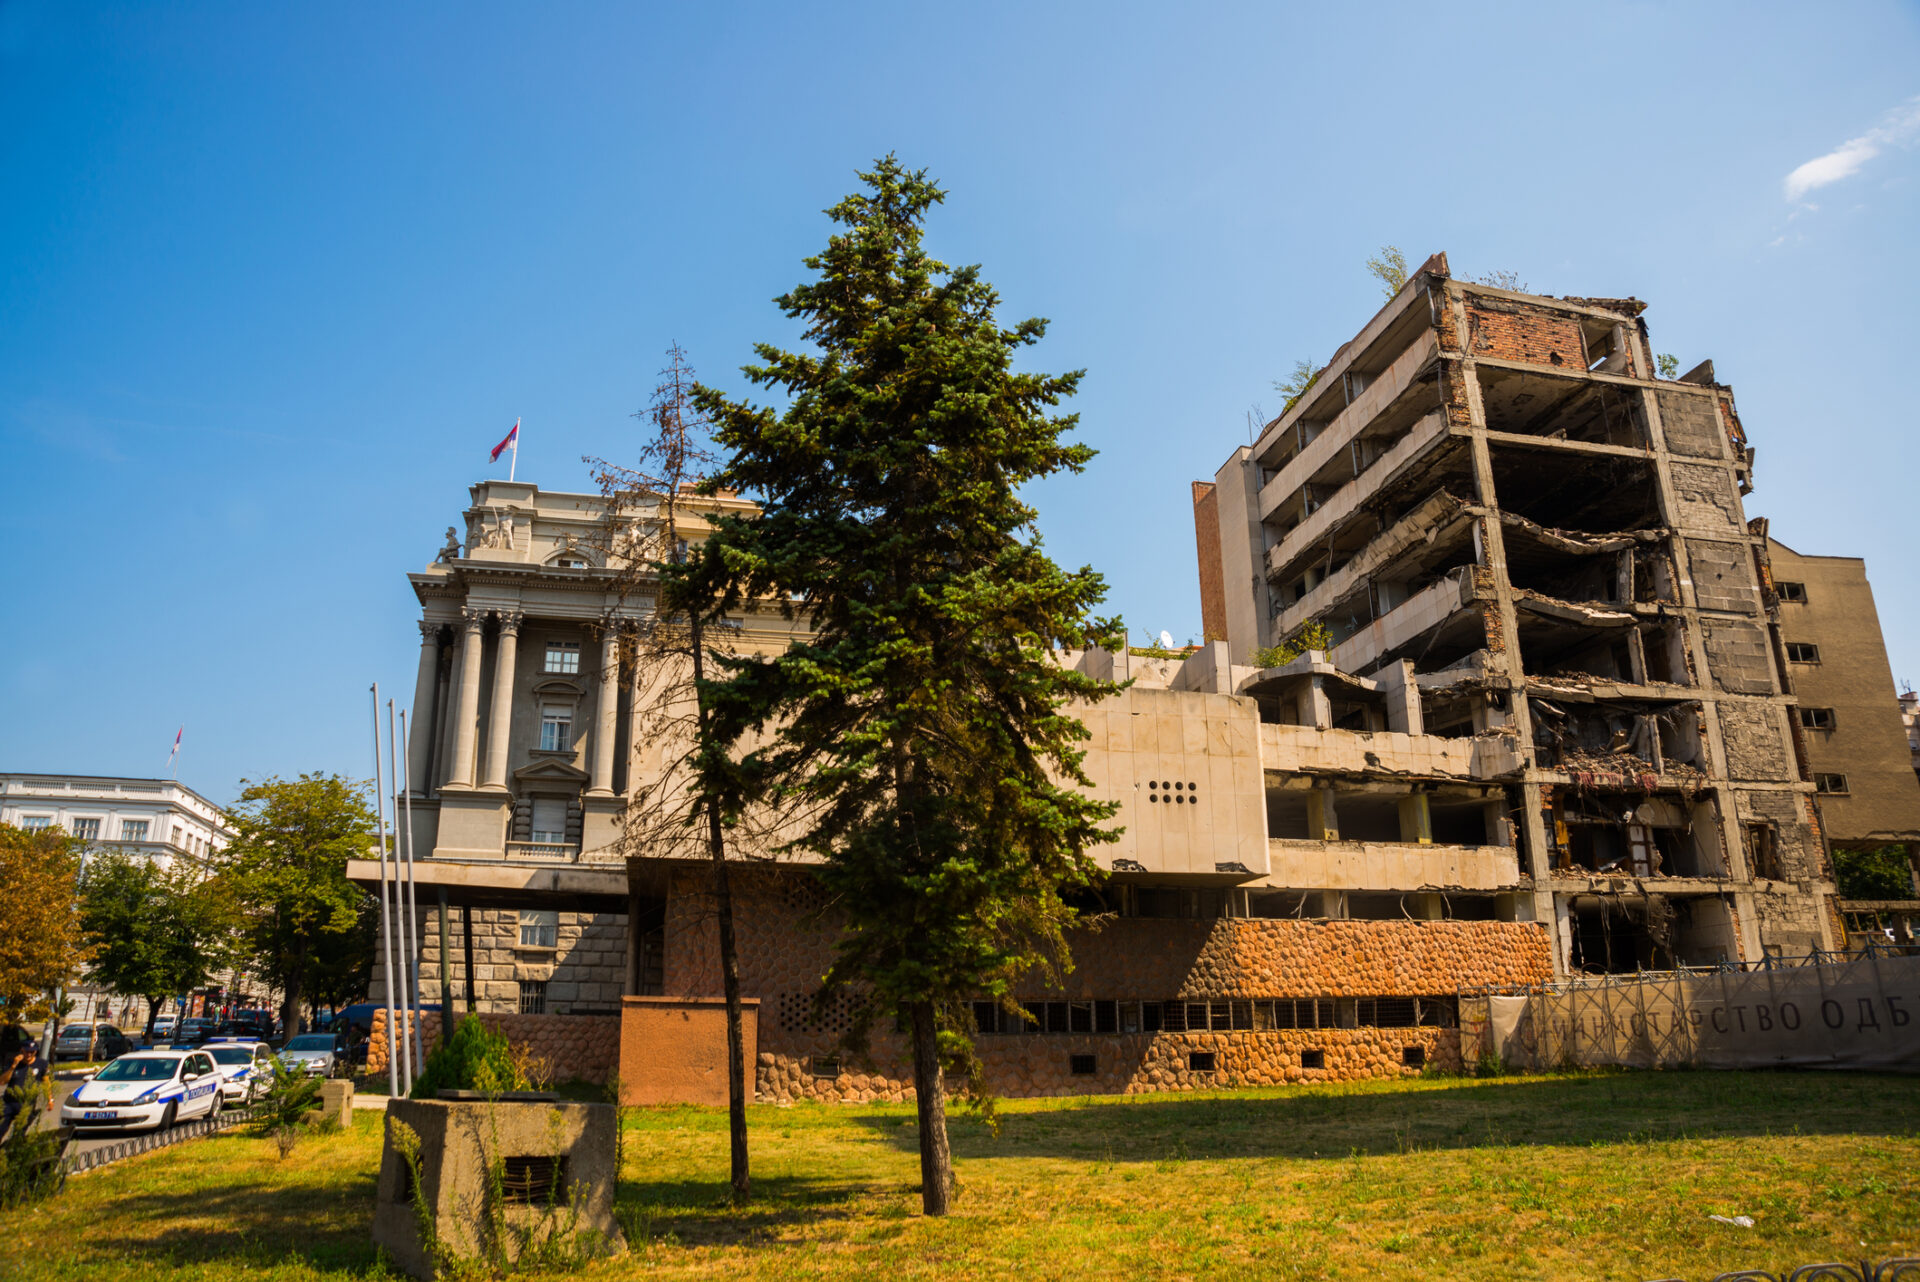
[
  {"x": 929, "y": 1088},
  {"x": 153, "y": 1016},
  {"x": 737, "y": 1068}
]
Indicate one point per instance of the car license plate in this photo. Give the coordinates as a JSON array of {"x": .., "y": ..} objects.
[{"x": 100, "y": 1117}]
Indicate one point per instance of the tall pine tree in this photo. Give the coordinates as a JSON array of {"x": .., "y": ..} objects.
[{"x": 920, "y": 727}]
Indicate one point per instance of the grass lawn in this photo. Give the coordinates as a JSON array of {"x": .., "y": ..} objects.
[{"x": 1607, "y": 1175}]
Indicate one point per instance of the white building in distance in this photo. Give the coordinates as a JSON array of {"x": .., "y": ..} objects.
[{"x": 156, "y": 818}]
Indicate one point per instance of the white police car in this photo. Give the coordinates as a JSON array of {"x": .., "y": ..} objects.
[
  {"x": 146, "y": 1089},
  {"x": 245, "y": 1068}
]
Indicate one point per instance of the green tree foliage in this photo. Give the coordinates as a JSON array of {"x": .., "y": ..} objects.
[
  {"x": 1305, "y": 374},
  {"x": 1312, "y": 635},
  {"x": 151, "y": 930},
  {"x": 920, "y": 725},
  {"x": 286, "y": 870},
  {"x": 40, "y": 941},
  {"x": 1669, "y": 365},
  {"x": 1389, "y": 267},
  {"x": 1882, "y": 873}
]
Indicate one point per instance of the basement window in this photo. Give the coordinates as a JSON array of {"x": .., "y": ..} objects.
[
  {"x": 825, "y": 1067},
  {"x": 1796, "y": 592},
  {"x": 1832, "y": 784},
  {"x": 1200, "y": 1062},
  {"x": 1081, "y": 1065},
  {"x": 1413, "y": 1056},
  {"x": 1817, "y": 718},
  {"x": 533, "y": 997},
  {"x": 1313, "y": 1059},
  {"x": 1802, "y": 652}
]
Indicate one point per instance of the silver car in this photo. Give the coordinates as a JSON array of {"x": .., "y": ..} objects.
[
  {"x": 245, "y": 1068},
  {"x": 315, "y": 1054}
]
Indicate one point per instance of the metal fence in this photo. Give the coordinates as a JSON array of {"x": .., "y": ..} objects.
[
  {"x": 93, "y": 1159},
  {"x": 1900, "y": 1270}
]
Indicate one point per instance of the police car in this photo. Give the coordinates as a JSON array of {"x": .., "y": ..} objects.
[
  {"x": 146, "y": 1089},
  {"x": 245, "y": 1067}
]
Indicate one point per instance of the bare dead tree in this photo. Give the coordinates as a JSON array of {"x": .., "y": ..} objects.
[{"x": 647, "y": 508}]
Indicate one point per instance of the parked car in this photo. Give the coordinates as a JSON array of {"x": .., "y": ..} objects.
[
  {"x": 146, "y": 1089},
  {"x": 193, "y": 1031},
  {"x": 91, "y": 1042},
  {"x": 316, "y": 1054},
  {"x": 164, "y": 1025},
  {"x": 245, "y": 1068},
  {"x": 256, "y": 1030}
]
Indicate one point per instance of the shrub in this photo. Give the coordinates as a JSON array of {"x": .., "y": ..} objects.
[
  {"x": 473, "y": 1059},
  {"x": 1310, "y": 636},
  {"x": 284, "y": 1108}
]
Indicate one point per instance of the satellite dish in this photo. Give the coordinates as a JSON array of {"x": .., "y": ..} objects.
[{"x": 1166, "y": 640}]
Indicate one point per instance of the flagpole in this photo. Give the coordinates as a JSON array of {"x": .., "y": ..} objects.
[
  {"x": 386, "y": 929},
  {"x": 413, "y": 903},
  {"x": 513, "y": 463}
]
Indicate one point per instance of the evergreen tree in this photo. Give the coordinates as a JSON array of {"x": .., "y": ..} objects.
[{"x": 919, "y": 729}]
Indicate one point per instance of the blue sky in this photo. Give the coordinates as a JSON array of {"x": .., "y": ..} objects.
[{"x": 274, "y": 278}]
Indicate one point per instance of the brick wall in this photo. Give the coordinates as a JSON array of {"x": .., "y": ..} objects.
[
  {"x": 576, "y": 1047},
  {"x": 1517, "y": 332},
  {"x": 785, "y": 947}
]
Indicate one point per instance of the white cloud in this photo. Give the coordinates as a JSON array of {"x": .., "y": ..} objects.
[{"x": 1900, "y": 127}]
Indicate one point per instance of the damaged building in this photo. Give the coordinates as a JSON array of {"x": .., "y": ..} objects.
[{"x": 1548, "y": 643}]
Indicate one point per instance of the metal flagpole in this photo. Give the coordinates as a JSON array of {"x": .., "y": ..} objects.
[
  {"x": 514, "y": 462},
  {"x": 400, "y": 909},
  {"x": 386, "y": 926},
  {"x": 413, "y": 901}
]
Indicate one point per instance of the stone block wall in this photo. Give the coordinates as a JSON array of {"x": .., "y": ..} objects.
[
  {"x": 786, "y": 945},
  {"x": 587, "y": 968},
  {"x": 582, "y": 1048}
]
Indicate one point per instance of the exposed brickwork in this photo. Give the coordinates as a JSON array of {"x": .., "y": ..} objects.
[
  {"x": 576, "y": 1047},
  {"x": 1518, "y": 332},
  {"x": 784, "y": 951}
]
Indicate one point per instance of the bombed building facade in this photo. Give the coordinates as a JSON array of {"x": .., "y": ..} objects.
[{"x": 1534, "y": 569}]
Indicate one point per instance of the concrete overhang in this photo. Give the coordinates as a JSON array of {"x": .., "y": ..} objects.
[{"x": 599, "y": 888}]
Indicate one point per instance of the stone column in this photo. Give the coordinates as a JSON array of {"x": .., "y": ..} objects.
[
  {"x": 467, "y": 714},
  {"x": 605, "y": 712},
  {"x": 500, "y": 716},
  {"x": 420, "y": 725}
]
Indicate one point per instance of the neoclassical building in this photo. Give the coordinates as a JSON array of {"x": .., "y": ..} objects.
[{"x": 158, "y": 819}]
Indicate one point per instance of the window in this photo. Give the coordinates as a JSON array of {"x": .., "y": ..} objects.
[
  {"x": 1817, "y": 718},
  {"x": 1200, "y": 1062},
  {"x": 539, "y": 928},
  {"x": 1082, "y": 1065},
  {"x": 563, "y": 657},
  {"x": 133, "y": 830},
  {"x": 87, "y": 829},
  {"x": 1763, "y": 851},
  {"x": 1413, "y": 1056},
  {"x": 556, "y": 729},
  {"x": 36, "y": 823},
  {"x": 549, "y": 819},
  {"x": 826, "y": 1067},
  {"x": 1802, "y": 652},
  {"x": 1791, "y": 592},
  {"x": 1830, "y": 783},
  {"x": 533, "y": 997},
  {"x": 1313, "y": 1059},
  {"x": 571, "y": 563}
]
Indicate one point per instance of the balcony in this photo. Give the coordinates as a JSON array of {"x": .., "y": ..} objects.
[
  {"x": 548, "y": 852},
  {"x": 1402, "y": 866}
]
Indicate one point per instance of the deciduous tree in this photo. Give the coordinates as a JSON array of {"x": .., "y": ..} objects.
[
  {"x": 286, "y": 869},
  {"x": 152, "y": 930},
  {"x": 40, "y": 944},
  {"x": 921, "y": 724}
]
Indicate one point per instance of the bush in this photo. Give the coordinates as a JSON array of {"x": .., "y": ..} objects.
[
  {"x": 473, "y": 1059},
  {"x": 284, "y": 1108},
  {"x": 30, "y": 1156}
]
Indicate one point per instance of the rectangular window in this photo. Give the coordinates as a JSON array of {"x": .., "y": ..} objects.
[
  {"x": 563, "y": 657},
  {"x": 1802, "y": 652},
  {"x": 87, "y": 829},
  {"x": 539, "y": 928},
  {"x": 549, "y": 819},
  {"x": 36, "y": 823},
  {"x": 1413, "y": 1056},
  {"x": 1313, "y": 1059},
  {"x": 1791, "y": 592},
  {"x": 1830, "y": 783},
  {"x": 1082, "y": 1065},
  {"x": 986, "y": 1017},
  {"x": 556, "y": 729},
  {"x": 533, "y": 997},
  {"x": 133, "y": 830},
  {"x": 1761, "y": 851},
  {"x": 1817, "y": 718},
  {"x": 1200, "y": 1062}
]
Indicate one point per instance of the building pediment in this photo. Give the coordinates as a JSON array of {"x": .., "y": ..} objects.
[{"x": 551, "y": 770}]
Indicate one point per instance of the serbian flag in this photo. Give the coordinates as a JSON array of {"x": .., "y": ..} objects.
[{"x": 512, "y": 438}]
